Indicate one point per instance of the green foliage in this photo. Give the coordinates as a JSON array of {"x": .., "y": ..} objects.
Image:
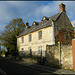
[
  {"x": 3, "y": 52},
  {"x": 9, "y": 36},
  {"x": 29, "y": 59}
]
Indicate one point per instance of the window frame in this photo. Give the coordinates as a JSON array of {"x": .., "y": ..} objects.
[
  {"x": 30, "y": 49},
  {"x": 22, "y": 50},
  {"x": 40, "y": 50},
  {"x": 30, "y": 38},
  {"x": 22, "y": 39},
  {"x": 40, "y": 35}
]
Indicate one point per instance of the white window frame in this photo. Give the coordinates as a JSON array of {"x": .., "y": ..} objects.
[{"x": 40, "y": 50}]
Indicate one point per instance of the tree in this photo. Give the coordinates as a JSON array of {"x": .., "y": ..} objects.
[{"x": 8, "y": 36}]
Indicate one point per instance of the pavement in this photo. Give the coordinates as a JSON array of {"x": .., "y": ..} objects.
[
  {"x": 48, "y": 68},
  {"x": 62, "y": 71},
  {"x": 45, "y": 68}
]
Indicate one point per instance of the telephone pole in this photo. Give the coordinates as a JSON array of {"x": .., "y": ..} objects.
[{"x": 59, "y": 53}]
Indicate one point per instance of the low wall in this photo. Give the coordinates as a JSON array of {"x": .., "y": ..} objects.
[{"x": 52, "y": 55}]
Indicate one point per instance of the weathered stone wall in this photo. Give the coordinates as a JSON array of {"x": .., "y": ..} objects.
[
  {"x": 52, "y": 55},
  {"x": 64, "y": 25}
]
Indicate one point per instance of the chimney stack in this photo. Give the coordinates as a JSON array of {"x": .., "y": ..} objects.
[
  {"x": 26, "y": 24},
  {"x": 62, "y": 7}
]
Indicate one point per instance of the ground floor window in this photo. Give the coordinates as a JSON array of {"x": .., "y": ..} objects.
[
  {"x": 22, "y": 51},
  {"x": 30, "y": 51},
  {"x": 40, "y": 50}
]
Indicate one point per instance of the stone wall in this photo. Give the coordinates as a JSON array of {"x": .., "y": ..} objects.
[{"x": 52, "y": 55}]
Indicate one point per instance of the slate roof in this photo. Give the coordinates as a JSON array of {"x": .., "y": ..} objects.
[
  {"x": 55, "y": 16},
  {"x": 41, "y": 25}
]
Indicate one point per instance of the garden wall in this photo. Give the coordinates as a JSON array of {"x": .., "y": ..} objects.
[{"x": 52, "y": 55}]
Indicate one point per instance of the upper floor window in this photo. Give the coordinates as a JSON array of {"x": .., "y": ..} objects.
[
  {"x": 30, "y": 38},
  {"x": 22, "y": 39},
  {"x": 40, "y": 35}
]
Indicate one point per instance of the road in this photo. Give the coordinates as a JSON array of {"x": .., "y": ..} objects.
[{"x": 8, "y": 67}]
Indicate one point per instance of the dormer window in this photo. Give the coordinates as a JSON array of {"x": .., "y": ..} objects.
[
  {"x": 35, "y": 23},
  {"x": 26, "y": 25},
  {"x": 45, "y": 18}
]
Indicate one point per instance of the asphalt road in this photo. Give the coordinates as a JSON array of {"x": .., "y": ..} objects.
[{"x": 8, "y": 67}]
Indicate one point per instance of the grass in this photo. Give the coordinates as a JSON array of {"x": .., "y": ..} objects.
[{"x": 29, "y": 59}]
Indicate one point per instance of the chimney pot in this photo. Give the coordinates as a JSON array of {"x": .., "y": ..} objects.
[{"x": 62, "y": 7}]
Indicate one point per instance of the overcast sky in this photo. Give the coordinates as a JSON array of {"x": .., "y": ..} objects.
[{"x": 32, "y": 10}]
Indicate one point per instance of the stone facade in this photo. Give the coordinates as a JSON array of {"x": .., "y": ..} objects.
[
  {"x": 47, "y": 38},
  {"x": 52, "y": 55}
]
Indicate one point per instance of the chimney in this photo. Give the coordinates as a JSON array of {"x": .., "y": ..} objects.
[
  {"x": 26, "y": 24},
  {"x": 62, "y": 7}
]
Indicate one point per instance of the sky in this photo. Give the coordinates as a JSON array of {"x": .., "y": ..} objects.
[{"x": 32, "y": 11}]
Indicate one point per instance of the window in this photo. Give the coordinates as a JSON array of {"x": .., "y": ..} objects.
[
  {"x": 44, "y": 18},
  {"x": 22, "y": 51},
  {"x": 30, "y": 38},
  {"x": 30, "y": 51},
  {"x": 40, "y": 35},
  {"x": 40, "y": 50},
  {"x": 22, "y": 39}
]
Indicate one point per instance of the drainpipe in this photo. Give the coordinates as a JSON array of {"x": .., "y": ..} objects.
[{"x": 53, "y": 32}]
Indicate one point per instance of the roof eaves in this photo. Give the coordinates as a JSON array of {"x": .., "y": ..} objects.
[{"x": 32, "y": 29}]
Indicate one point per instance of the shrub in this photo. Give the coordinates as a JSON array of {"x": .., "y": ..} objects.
[{"x": 6, "y": 53}]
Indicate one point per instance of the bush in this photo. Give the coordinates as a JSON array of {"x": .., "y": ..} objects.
[
  {"x": 6, "y": 53},
  {"x": 14, "y": 53},
  {"x": 41, "y": 60}
]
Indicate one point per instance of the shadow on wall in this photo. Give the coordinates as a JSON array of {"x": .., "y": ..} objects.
[{"x": 50, "y": 56}]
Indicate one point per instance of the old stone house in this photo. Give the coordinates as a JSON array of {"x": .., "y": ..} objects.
[{"x": 50, "y": 30}]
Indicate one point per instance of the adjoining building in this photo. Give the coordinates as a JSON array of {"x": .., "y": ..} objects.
[{"x": 35, "y": 38}]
